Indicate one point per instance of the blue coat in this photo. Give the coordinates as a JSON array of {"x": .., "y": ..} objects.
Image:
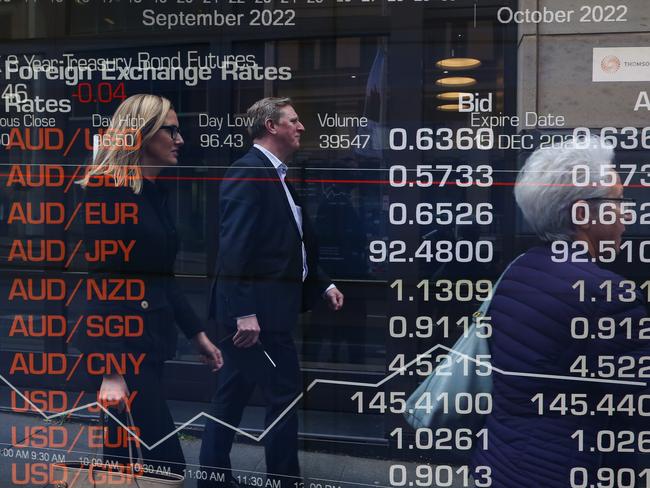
[
  {"x": 259, "y": 261},
  {"x": 155, "y": 244},
  {"x": 531, "y": 315}
]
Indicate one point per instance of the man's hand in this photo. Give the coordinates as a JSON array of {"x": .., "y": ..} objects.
[
  {"x": 210, "y": 354},
  {"x": 248, "y": 331},
  {"x": 114, "y": 391},
  {"x": 334, "y": 299}
]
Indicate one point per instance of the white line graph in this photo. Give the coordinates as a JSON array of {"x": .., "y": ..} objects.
[{"x": 313, "y": 384}]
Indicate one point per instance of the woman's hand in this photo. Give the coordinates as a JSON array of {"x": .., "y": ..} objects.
[
  {"x": 114, "y": 392},
  {"x": 210, "y": 354}
]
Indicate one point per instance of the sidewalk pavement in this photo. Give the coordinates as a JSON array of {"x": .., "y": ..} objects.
[{"x": 320, "y": 470}]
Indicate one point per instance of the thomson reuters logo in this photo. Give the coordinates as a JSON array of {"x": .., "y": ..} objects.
[{"x": 610, "y": 64}]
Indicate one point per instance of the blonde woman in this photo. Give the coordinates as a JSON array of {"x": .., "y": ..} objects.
[{"x": 143, "y": 139}]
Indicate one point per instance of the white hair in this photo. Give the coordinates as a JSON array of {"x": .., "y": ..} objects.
[{"x": 545, "y": 189}]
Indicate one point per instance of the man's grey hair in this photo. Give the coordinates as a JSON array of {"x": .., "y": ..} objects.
[
  {"x": 545, "y": 189},
  {"x": 269, "y": 108}
]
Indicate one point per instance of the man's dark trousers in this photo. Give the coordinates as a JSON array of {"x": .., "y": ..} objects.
[{"x": 280, "y": 385}]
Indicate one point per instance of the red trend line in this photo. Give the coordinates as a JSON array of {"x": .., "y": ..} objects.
[{"x": 407, "y": 184}]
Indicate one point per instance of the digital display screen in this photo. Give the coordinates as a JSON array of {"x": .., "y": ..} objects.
[{"x": 324, "y": 243}]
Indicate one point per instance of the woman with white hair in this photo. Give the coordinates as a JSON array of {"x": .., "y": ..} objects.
[
  {"x": 143, "y": 139},
  {"x": 542, "y": 431}
]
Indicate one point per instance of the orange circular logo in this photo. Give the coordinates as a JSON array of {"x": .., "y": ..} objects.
[{"x": 610, "y": 64}]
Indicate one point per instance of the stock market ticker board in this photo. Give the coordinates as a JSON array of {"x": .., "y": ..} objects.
[{"x": 325, "y": 243}]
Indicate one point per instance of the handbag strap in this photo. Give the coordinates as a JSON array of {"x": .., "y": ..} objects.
[
  {"x": 140, "y": 460},
  {"x": 482, "y": 311}
]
